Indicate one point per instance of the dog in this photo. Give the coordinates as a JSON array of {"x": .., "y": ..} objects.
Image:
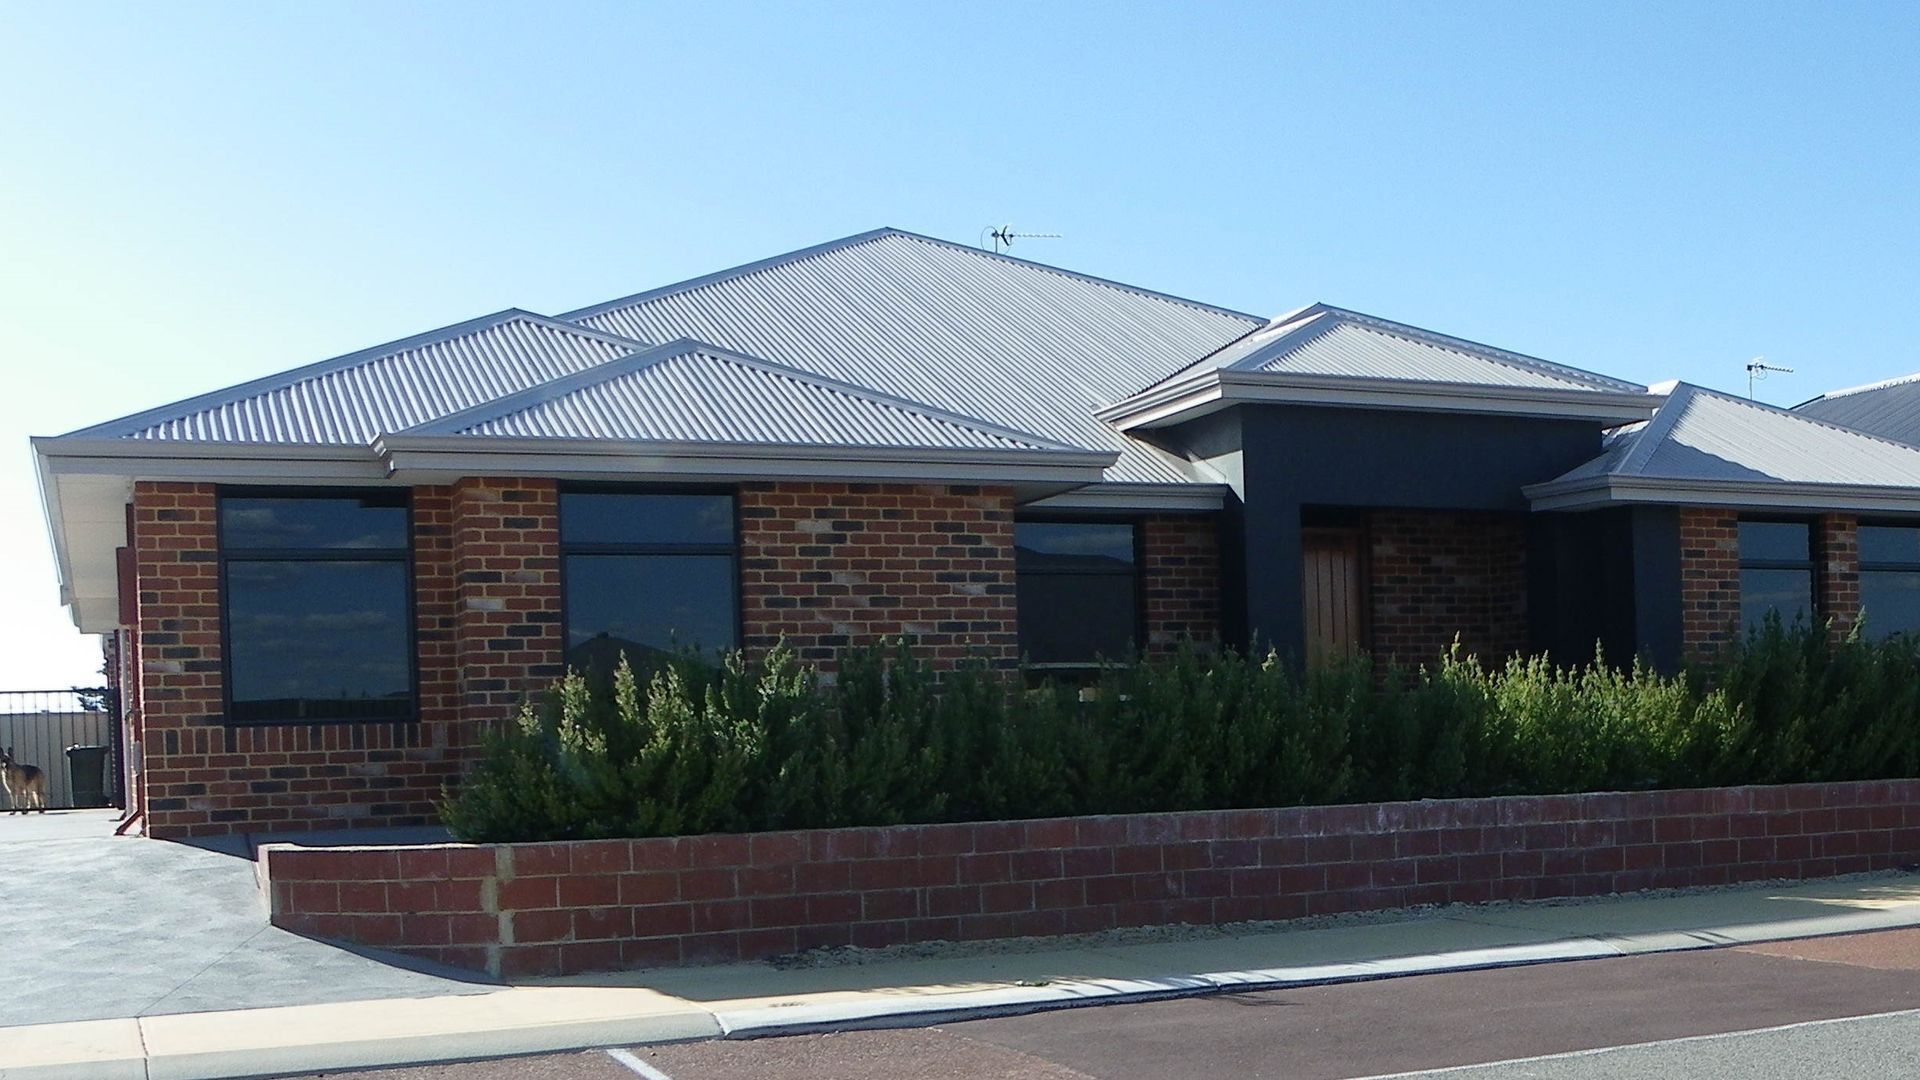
[{"x": 26, "y": 784}]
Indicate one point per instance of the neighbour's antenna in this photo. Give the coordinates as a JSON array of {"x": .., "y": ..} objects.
[
  {"x": 1004, "y": 236},
  {"x": 1757, "y": 368}
]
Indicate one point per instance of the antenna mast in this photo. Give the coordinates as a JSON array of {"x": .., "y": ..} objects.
[
  {"x": 1004, "y": 236},
  {"x": 1758, "y": 368}
]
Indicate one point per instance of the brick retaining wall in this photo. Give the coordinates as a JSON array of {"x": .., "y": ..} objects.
[{"x": 554, "y": 908}]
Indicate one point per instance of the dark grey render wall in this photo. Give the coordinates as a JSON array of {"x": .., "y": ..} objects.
[
  {"x": 1610, "y": 577},
  {"x": 1298, "y": 456}
]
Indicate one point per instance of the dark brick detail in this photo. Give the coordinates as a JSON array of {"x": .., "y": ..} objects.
[
  {"x": 1434, "y": 575},
  {"x": 1837, "y": 562},
  {"x": 1709, "y": 580},
  {"x": 831, "y": 564},
  {"x": 1180, "y": 580}
]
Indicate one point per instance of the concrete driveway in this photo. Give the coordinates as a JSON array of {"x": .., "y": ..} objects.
[{"x": 95, "y": 926}]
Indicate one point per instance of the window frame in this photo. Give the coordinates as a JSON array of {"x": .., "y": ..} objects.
[
  {"x": 1137, "y": 572},
  {"x": 1810, "y": 564},
  {"x": 224, "y": 556},
  {"x": 1866, "y": 566},
  {"x": 732, "y": 549}
]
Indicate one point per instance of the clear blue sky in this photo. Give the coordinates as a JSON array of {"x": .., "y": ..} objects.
[{"x": 192, "y": 195}]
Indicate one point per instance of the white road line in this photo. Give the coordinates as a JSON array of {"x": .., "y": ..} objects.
[
  {"x": 639, "y": 1068},
  {"x": 1599, "y": 1050}
]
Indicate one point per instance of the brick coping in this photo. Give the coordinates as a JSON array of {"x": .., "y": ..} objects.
[{"x": 565, "y": 907}]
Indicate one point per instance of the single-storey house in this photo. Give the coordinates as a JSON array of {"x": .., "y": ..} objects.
[{"x": 317, "y": 587}]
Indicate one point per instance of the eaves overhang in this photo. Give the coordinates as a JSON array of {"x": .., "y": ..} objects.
[
  {"x": 1119, "y": 498},
  {"x": 1593, "y": 493},
  {"x": 1210, "y": 391}
]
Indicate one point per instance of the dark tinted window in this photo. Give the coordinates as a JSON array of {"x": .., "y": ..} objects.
[
  {"x": 1789, "y": 592},
  {"x": 1775, "y": 541},
  {"x": 329, "y": 522},
  {"x": 1097, "y": 546},
  {"x": 1889, "y": 544},
  {"x": 318, "y": 641},
  {"x": 627, "y": 518},
  {"x": 1890, "y": 579},
  {"x": 1078, "y": 597},
  {"x": 315, "y": 594},
  {"x": 646, "y": 574},
  {"x": 646, "y": 605}
]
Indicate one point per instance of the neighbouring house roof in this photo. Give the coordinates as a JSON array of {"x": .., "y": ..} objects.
[
  {"x": 1328, "y": 355},
  {"x": 1708, "y": 448},
  {"x": 1889, "y": 409}
]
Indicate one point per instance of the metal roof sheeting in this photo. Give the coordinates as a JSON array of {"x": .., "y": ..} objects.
[
  {"x": 354, "y": 399},
  {"x": 1018, "y": 344},
  {"x": 1704, "y": 435},
  {"x": 1888, "y": 409},
  {"x": 694, "y": 393},
  {"x": 1325, "y": 340}
]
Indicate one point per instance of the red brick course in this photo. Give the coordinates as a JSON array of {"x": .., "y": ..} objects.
[
  {"x": 831, "y": 564},
  {"x": 1437, "y": 574},
  {"x": 1709, "y": 580},
  {"x": 544, "y": 909},
  {"x": 1837, "y": 562},
  {"x": 1180, "y": 579},
  {"x": 506, "y": 625},
  {"x": 201, "y": 777}
]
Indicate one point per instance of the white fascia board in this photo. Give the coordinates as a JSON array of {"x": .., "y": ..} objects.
[
  {"x": 1735, "y": 494},
  {"x": 209, "y": 462},
  {"x": 56, "y": 526},
  {"x": 431, "y": 457},
  {"x": 1153, "y": 498},
  {"x": 1216, "y": 389}
]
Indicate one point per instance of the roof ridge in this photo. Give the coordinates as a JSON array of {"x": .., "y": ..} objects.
[
  {"x": 680, "y": 347},
  {"x": 801, "y": 254},
  {"x": 1897, "y": 380},
  {"x": 281, "y": 379},
  {"x": 1492, "y": 352},
  {"x": 1649, "y": 438}
]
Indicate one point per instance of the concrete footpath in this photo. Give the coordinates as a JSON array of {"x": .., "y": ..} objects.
[{"x": 747, "y": 1000}]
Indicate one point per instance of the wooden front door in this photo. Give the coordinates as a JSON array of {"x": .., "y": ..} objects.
[{"x": 1334, "y": 575}]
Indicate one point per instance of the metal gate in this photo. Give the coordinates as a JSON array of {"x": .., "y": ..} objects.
[{"x": 41, "y": 725}]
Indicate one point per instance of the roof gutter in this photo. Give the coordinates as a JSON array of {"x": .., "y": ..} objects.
[
  {"x": 421, "y": 457},
  {"x": 1597, "y": 492},
  {"x": 1209, "y": 391}
]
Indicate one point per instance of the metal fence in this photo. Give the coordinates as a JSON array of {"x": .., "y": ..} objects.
[{"x": 40, "y": 725}]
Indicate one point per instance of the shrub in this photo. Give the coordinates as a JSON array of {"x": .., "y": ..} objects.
[{"x": 738, "y": 745}]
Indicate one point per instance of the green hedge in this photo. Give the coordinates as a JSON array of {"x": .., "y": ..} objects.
[{"x": 771, "y": 745}]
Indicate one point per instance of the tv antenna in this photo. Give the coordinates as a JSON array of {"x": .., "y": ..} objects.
[
  {"x": 1004, "y": 236},
  {"x": 1758, "y": 368}
]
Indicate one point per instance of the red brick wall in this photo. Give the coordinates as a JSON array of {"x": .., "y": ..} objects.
[
  {"x": 1435, "y": 574},
  {"x": 201, "y": 777},
  {"x": 1709, "y": 580},
  {"x": 828, "y": 564},
  {"x": 1180, "y": 576},
  {"x": 1837, "y": 561},
  {"x": 544, "y": 909},
  {"x": 507, "y": 637}
]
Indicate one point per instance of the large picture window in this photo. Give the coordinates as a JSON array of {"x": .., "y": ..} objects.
[
  {"x": 646, "y": 574},
  {"x": 1890, "y": 579},
  {"x": 1079, "y": 594},
  {"x": 316, "y": 598},
  {"x": 1776, "y": 571}
]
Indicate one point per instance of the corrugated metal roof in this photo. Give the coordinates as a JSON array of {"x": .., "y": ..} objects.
[
  {"x": 355, "y": 398},
  {"x": 1705, "y": 435},
  {"x": 1018, "y": 344},
  {"x": 693, "y": 392},
  {"x": 1325, "y": 340},
  {"x": 1889, "y": 409}
]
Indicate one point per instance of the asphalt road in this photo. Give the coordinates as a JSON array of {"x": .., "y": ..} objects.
[{"x": 1795, "y": 1009}]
